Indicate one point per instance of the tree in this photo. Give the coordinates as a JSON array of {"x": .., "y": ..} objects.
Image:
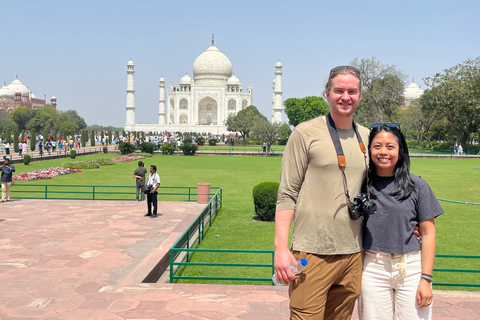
[
  {"x": 21, "y": 116},
  {"x": 244, "y": 121},
  {"x": 304, "y": 109},
  {"x": 15, "y": 141},
  {"x": 382, "y": 91},
  {"x": 266, "y": 131},
  {"x": 68, "y": 129},
  {"x": 7, "y": 124},
  {"x": 8, "y": 137},
  {"x": 40, "y": 121},
  {"x": 455, "y": 96},
  {"x": 84, "y": 138},
  {"x": 33, "y": 140},
  {"x": 284, "y": 131},
  {"x": 92, "y": 139}
]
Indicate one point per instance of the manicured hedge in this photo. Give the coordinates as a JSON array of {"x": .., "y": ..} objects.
[{"x": 265, "y": 200}]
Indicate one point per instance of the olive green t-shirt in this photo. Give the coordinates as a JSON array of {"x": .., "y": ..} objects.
[{"x": 311, "y": 182}]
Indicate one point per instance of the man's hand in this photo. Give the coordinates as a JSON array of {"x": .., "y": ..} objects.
[
  {"x": 416, "y": 231},
  {"x": 283, "y": 261}
]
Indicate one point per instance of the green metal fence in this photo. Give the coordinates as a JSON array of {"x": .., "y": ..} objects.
[
  {"x": 195, "y": 233},
  {"x": 87, "y": 192},
  {"x": 185, "y": 261},
  {"x": 452, "y": 284}
]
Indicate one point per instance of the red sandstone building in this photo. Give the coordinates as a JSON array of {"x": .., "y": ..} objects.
[{"x": 16, "y": 94}]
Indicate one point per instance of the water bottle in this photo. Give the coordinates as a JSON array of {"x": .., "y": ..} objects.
[{"x": 296, "y": 268}]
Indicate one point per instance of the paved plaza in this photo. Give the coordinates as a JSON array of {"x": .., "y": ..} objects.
[{"x": 74, "y": 259}]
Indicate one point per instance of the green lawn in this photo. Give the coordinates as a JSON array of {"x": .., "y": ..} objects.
[{"x": 237, "y": 228}]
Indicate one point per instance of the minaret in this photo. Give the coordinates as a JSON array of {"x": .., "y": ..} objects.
[
  {"x": 130, "y": 124},
  {"x": 161, "y": 102},
  {"x": 277, "y": 107}
]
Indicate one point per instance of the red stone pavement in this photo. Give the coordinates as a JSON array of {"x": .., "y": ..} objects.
[{"x": 74, "y": 259}]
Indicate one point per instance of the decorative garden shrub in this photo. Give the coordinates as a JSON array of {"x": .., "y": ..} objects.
[
  {"x": 212, "y": 142},
  {"x": 147, "y": 147},
  {"x": 188, "y": 148},
  {"x": 200, "y": 141},
  {"x": 73, "y": 154},
  {"x": 265, "y": 200},
  {"x": 126, "y": 148},
  {"x": 26, "y": 159},
  {"x": 105, "y": 150},
  {"x": 167, "y": 148}
]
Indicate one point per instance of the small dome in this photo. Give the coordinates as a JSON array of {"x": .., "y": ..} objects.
[
  {"x": 233, "y": 80},
  {"x": 278, "y": 64},
  {"x": 413, "y": 91},
  {"x": 130, "y": 63},
  {"x": 212, "y": 67},
  {"x": 186, "y": 79},
  {"x": 53, "y": 98},
  {"x": 18, "y": 86},
  {"x": 162, "y": 79},
  {"x": 6, "y": 91}
]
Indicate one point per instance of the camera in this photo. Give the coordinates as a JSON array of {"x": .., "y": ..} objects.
[{"x": 362, "y": 205}]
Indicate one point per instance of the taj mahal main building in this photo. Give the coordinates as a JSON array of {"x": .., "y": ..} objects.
[{"x": 203, "y": 103}]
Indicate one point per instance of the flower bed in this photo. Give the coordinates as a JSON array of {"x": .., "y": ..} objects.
[
  {"x": 128, "y": 158},
  {"x": 48, "y": 173}
]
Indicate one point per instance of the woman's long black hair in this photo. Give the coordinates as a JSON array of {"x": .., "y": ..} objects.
[{"x": 403, "y": 181}]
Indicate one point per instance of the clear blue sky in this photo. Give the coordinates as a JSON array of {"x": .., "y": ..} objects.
[{"x": 78, "y": 50}]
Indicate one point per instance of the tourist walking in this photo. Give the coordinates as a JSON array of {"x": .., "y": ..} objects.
[
  {"x": 6, "y": 179},
  {"x": 153, "y": 183}
]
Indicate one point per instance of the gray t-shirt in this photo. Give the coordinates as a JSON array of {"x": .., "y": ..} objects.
[{"x": 390, "y": 230}]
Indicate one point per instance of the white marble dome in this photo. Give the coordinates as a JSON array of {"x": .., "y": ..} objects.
[
  {"x": 212, "y": 67},
  {"x": 413, "y": 91},
  {"x": 233, "y": 80},
  {"x": 5, "y": 91},
  {"x": 18, "y": 86},
  {"x": 186, "y": 79}
]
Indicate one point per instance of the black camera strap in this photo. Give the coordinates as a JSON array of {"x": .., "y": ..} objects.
[{"x": 342, "y": 162}]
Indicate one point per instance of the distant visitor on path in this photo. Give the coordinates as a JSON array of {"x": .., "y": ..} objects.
[
  {"x": 6, "y": 179},
  {"x": 153, "y": 183},
  {"x": 139, "y": 175}
]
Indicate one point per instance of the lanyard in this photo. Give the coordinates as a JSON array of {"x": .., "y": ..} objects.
[{"x": 342, "y": 162}]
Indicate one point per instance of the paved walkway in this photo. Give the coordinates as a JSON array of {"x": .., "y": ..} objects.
[{"x": 73, "y": 259}]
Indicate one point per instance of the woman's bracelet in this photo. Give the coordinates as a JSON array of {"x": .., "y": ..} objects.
[{"x": 427, "y": 277}]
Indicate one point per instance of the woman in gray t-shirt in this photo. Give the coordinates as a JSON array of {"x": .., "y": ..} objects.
[{"x": 397, "y": 272}]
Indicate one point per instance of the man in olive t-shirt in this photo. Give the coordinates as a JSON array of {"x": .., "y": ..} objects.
[{"x": 139, "y": 174}]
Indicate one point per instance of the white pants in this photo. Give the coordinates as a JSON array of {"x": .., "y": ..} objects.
[{"x": 389, "y": 287}]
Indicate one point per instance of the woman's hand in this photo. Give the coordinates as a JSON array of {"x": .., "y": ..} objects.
[{"x": 424, "y": 294}]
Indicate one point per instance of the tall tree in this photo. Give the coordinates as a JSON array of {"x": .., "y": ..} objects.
[
  {"x": 68, "y": 129},
  {"x": 266, "y": 131},
  {"x": 21, "y": 116},
  {"x": 299, "y": 110},
  {"x": 382, "y": 91},
  {"x": 33, "y": 139},
  {"x": 244, "y": 121},
  {"x": 456, "y": 97}
]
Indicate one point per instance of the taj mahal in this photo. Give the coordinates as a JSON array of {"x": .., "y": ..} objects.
[{"x": 203, "y": 103}]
